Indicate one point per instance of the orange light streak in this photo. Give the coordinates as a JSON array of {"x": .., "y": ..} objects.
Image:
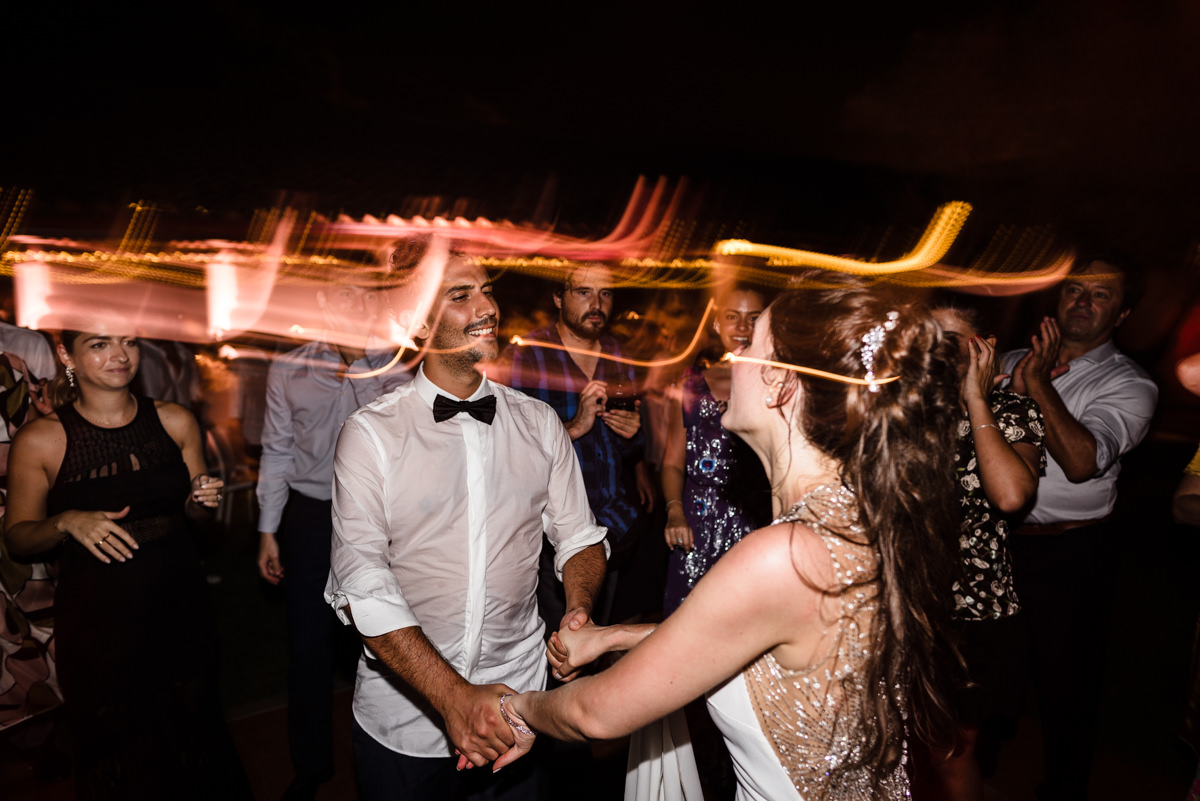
[
  {"x": 533, "y": 343},
  {"x": 939, "y": 235},
  {"x": 796, "y": 368}
]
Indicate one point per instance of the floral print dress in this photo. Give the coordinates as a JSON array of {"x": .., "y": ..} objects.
[{"x": 985, "y": 588}]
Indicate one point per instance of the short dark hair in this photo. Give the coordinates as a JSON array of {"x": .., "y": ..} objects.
[{"x": 565, "y": 284}]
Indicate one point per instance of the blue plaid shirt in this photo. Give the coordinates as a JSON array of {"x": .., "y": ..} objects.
[{"x": 550, "y": 375}]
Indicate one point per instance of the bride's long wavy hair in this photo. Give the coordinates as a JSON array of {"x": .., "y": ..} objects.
[{"x": 895, "y": 448}]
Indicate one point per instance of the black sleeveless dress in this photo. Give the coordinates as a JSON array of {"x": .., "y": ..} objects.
[{"x": 136, "y": 642}]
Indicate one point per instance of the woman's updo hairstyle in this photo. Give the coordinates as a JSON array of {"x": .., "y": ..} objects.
[{"x": 895, "y": 447}]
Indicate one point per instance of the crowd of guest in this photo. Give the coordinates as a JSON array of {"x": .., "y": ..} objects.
[{"x": 568, "y": 511}]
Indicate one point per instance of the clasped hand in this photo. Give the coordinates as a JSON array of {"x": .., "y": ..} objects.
[{"x": 479, "y": 731}]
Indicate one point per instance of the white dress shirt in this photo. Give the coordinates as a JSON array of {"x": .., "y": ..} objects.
[
  {"x": 1114, "y": 399},
  {"x": 306, "y": 403},
  {"x": 439, "y": 525}
]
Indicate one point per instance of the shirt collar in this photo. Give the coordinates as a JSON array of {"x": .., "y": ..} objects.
[
  {"x": 429, "y": 390},
  {"x": 1100, "y": 353},
  {"x": 375, "y": 348}
]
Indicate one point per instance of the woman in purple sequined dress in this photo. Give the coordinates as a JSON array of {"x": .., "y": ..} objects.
[{"x": 715, "y": 487}]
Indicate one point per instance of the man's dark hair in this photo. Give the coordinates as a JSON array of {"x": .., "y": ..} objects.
[{"x": 561, "y": 287}]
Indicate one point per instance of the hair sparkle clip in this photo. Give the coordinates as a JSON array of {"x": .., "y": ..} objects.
[{"x": 872, "y": 342}]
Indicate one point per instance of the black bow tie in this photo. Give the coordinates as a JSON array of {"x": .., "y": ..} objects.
[{"x": 483, "y": 410}]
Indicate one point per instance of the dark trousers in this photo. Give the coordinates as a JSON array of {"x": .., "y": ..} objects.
[
  {"x": 1065, "y": 584},
  {"x": 384, "y": 775},
  {"x": 313, "y": 634}
]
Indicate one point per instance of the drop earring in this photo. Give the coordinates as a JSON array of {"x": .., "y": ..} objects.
[{"x": 71, "y": 376}]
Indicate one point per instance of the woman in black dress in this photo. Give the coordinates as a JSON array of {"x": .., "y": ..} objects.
[{"x": 106, "y": 481}]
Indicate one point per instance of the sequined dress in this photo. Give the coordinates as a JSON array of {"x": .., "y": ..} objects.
[
  {"x": 725, "y": 492},
  {"x": 136, "y": 640},
  {"x": 797, "y": 733}
]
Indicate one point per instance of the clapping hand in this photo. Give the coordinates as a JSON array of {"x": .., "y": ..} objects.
[
  {"x": 981, "y": 374},
  {"x": 1039, "y": 365}
]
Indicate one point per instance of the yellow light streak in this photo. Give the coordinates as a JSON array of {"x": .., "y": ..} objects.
[
  {"x": 939, "y": 235},
  {"x": 534, "y": 343},
  {"x": 378, "y": 371},
  {"x": 796, "y": 368}
]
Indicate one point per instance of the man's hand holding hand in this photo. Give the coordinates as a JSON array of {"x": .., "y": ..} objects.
[
  {"x": 556, "y": 653},
  {"x": 475, "y": 725}
]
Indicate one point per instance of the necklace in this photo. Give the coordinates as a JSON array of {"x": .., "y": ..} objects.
[{"x": 125, "y": 418}]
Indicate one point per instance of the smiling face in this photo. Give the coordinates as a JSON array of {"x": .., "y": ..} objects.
[
  {"x": 102, "y": 359},
  {"x": 1089, "y": 305},
  {"x": 736, "y": 314},
  {"x": 467, "y": 317},
  {"x": 748, "y": 409},
  {"x": 586, "y": 301}
]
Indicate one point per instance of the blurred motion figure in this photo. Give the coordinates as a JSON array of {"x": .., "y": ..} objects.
[{"x": 310, "y": 392}]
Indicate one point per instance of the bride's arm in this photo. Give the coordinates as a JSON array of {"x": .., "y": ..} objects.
[
  {"x": 568, "y": 650},
  {"x": 750, "y": 602}
]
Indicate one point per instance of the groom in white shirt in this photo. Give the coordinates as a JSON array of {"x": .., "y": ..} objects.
[{"x": 442, "y": 491}]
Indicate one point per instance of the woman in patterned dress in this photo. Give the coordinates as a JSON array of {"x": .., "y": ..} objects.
[
  {"x": 999, "y": 457},
  {"x": 714, "y": 486},
  {"x": 817, "y": 636}
]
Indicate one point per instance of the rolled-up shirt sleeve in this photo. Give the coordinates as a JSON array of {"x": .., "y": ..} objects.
[
  {"x": 567, "y": 519},
  {"x": 1120, "y": 417},
  {"x": 277, "y": 443},
  {"x": 360, "y": 575}
]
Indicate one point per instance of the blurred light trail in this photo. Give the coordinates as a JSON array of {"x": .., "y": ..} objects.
[
  {"x": 647, "y": 215},
  {"x": 521, "y": 342},
  {"x": 939, "y": 235},
  {"x": 796, "y": 368}
]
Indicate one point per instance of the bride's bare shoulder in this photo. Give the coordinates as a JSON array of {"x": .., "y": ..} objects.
[{"x": 783, "y": 554}]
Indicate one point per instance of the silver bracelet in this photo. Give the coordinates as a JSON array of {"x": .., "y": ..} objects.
[
  {"x": 671, "y": 502},
  {"x": 985, "y": 425},
  {"x": 510, "y": 721}
]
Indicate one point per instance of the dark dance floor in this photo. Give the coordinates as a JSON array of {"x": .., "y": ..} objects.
[{"x": 1140, "y": 755}]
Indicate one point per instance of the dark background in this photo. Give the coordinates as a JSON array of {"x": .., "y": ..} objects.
[{"x": 839, "y": 128}]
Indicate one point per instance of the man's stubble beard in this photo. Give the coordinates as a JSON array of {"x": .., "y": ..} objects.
[{"x": 578, "y": 326}]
